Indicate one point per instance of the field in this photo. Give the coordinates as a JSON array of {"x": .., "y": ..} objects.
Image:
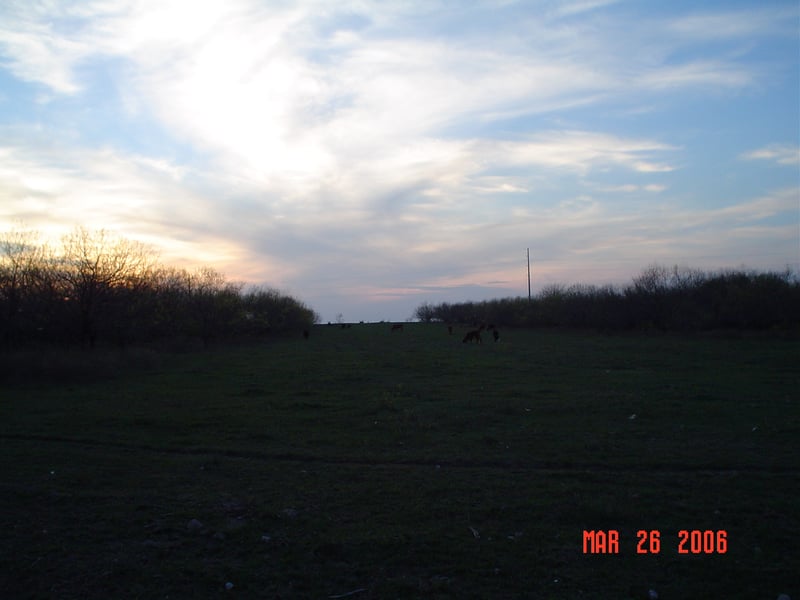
[{"x": 364, "y": 463}]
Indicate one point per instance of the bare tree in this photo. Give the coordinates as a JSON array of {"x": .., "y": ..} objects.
[
  {"x": 21, "y": 261},
  {"x": 93, "y": 265}
]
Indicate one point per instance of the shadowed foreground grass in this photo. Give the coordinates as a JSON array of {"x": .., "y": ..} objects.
[{"x": 406, "y": 464}]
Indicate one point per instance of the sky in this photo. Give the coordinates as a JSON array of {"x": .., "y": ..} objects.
[{"x": 368, "y": 156}]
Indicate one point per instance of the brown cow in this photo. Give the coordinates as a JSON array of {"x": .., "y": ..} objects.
[
  {"x": 473, "y": 336},
  {"x": 397, "y": 327}
]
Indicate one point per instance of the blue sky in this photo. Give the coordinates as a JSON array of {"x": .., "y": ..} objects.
[{"x": 369, "y": 156}]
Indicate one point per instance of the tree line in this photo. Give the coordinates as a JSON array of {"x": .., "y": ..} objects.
[
  {"x": 659, "y": 298},
  {"x": 97, "y": 287}
]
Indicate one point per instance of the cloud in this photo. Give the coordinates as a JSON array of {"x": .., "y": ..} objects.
[
  {"x": 580, "y": 151},
  {"x": 618, "y": 240},
  {"x": 735, "y": 24},
  {"x": 143, "y": 198},
  {"x": 578, "y": 7},
  {"x": 782, "y": 154},
  {"x": 387, "y": 149},
  {"x": 783, "y": 201},
  {"x": 48, "y": 42},
  {"x": 247, "y": 80},
  {"x": 698, "y": 74},
  {"x": 630, "y": 188}
]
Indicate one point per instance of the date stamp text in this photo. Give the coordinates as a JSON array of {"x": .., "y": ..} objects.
[{"x": 687, "y": 541}]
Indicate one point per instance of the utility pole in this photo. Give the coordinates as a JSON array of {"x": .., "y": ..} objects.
[{"x": 529, "y": 274}]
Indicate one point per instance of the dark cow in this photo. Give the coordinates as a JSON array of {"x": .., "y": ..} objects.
[
  {"x": 397, "y": 327},
  {"x": 305, "y": 333},
  {"x": 473, "y": 336},
  {"x": 496, "y": 334}
]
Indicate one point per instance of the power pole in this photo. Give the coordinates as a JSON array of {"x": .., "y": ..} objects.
[{"x": 529, "y": 274}]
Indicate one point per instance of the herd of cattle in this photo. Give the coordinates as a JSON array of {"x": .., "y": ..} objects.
[
  {"x": 471, "y": 336},
  {"x": 475, "y": 334}
]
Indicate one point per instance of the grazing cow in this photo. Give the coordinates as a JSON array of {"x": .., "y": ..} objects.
[
  {"x": 450, "y": 329},
  {"x": 496, "y": 334},
  {"x": 397, "y": 327},
  {"x": 305, "y": 333},
  {"x": 473, "y": 336},
  {"x": 491, "y": 326}
]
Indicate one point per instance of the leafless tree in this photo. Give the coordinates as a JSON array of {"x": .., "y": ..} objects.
[
  {"x": 22, "y": 265},
  {"x": 94, "y": 264}
]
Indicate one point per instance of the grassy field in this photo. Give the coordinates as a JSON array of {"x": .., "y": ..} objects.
[{"x": 368, "y": 464}]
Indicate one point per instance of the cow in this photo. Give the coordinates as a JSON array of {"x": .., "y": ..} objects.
[
  {"x": 305, "y": 333},
  {"x": 397, "y": 327},
  {"x": 473, "y": 336},
  {"x": 496, "y": 334}
]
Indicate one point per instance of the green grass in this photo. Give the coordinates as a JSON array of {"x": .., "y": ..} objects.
[{"x": 405, "y": 464}]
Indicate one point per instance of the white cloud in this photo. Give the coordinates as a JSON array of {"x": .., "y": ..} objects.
[
  {"x": 579, "y": 151},
  {"x": 782, "y": 154},
  {"x": 36, "y": 52},
  {"x": 268, "y": 89},
  {"x": 139, "y": 197}
]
